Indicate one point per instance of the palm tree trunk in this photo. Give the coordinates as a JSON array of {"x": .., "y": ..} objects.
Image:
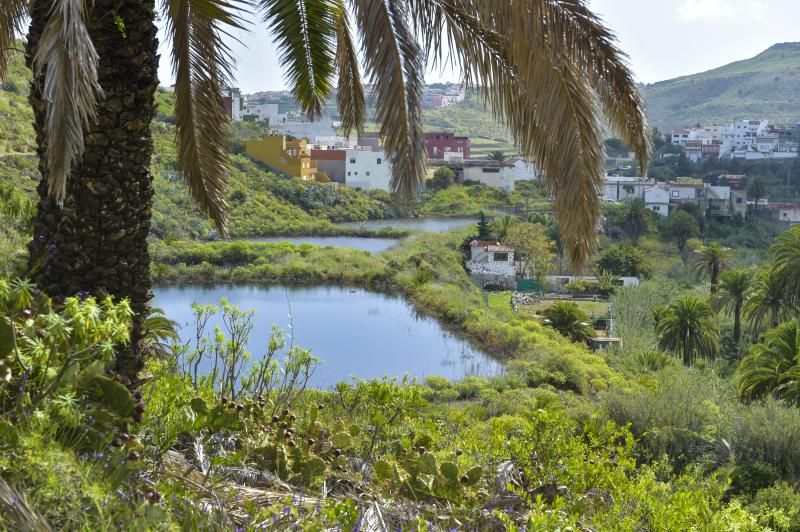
[
  {"x": 96, "y": 243},
  {"x": 737, "y": 323}
]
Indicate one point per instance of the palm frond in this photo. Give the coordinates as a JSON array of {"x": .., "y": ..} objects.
[
  {"x": 202, "y": 65},
  {"x": 394, "y": 63},
  {"x": 305, "y": 34},
  {"x": 350, "y": 93},
  {"x": 12, "y": 17},
  {"x": 66, "y": 59},
  {"x": 591, "y": 45},
  {"x": 547, "y": 69}
]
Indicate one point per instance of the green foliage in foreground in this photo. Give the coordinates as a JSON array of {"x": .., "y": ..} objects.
[{"x": 478, "y": 454}]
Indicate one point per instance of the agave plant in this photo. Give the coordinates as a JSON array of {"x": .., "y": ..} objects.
[{"x": 548, "y": 68}]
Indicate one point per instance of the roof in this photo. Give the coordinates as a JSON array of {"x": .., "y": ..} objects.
[
  {"x": 490, "y": 245},
  {"x": 328, "y": 155},
  {"x": 720, "y": 192},
  {"x": 501, "y": 247}
]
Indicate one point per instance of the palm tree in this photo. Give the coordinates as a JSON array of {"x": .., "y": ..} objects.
[
  {"x": 767, "y": 300},
  {"x": 497, "y": 155},
  {"x": 501, "y": 225},
  {"x": 712, "y": 259},
  {"x": 634, "y": 221},
  {"x": 569, "y": 320},
  {"x": 772, "y": 367},
  {"x": 756, "y": 189},
  {"x": 786, "y": 251},
  {"x": 731, "y": 296},
  {"x": 547, "y": 67},
  {"x": 687, "y": 328}
]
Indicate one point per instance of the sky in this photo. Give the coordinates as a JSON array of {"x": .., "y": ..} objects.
[{"x": 663, "y": 38}]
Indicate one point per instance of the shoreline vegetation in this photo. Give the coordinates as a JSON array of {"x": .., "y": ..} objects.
[{"x": 425, "y": 269}]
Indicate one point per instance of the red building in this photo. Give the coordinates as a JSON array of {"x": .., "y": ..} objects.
[
  {"x": 227, "y": 106},
  {"x": 436, "y": 144},
  {"x": 712, "y": 150}
]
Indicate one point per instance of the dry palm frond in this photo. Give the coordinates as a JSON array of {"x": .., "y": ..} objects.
[
  {"x": 12, "y": 16},
  {"x": 66, "y": 59},
  {"x": 305, "y": 34},
  {"x": 546, "y": 67},
  {"x": 579, "y": 35},
  {"x": 202, "y": 64},
  {"x": 350, "y": 94},
  {"x": 394, "y": 62},
  {"x": 17, "y": 509}
]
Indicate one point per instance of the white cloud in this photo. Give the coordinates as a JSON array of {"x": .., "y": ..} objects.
[{"x": 697, "y": 10}]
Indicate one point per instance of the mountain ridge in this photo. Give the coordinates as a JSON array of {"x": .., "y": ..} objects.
[{"x": 766, "y": 85}]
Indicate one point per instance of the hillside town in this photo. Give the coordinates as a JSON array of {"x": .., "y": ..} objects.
[{"x": 750, "y": 140}]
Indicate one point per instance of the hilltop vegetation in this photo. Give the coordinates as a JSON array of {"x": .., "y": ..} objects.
[{"x": 765, "y": 86}]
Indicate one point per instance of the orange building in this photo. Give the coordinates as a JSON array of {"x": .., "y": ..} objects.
[{"x": 290, "y": 157}]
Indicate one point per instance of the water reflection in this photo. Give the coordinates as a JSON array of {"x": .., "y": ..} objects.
[{"x": 355, "y": 332}]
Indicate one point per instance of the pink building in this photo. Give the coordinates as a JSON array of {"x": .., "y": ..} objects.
[{"x": 436, "y": 144}]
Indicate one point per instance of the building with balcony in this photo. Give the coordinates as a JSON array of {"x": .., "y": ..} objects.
[{"x": 289, "y": 157}]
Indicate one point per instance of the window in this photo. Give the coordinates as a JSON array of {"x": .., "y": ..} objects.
[
  {"x": 348, "y": 173},
  {"x": 379, "y": 160},
  {"x": 656, "y": 208},
  {"x": 675, "y": 193},
  {"x": 738, "y": 200},
  {"x": 367, "y": 174},
  {"x": 352, "y": 161},
  {"x": 501, "y": 257},
  {"x": 355, "y": 173}
]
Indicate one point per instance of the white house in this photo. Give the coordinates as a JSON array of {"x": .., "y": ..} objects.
[
  {"x": 367, "y": 169},
  {"x": 788, "y": 213},
  {"x": 561, "y": 280},
  {"x": 491, "y": 261},
  {"x": 625, "y": 188},
  {"x": 493, "y": 175},
  {"x": 260, "y": 112},
  {"x": 524, "y": 170},
  {"x": 656, "y": 199},
  {"x": 236, "y": 102}
]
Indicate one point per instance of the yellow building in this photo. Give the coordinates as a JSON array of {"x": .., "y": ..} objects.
[{"x": 291, "y": 157}]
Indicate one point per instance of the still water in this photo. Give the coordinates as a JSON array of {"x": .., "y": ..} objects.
[
  {"x": 433, "y": 225},
  {"x": 373, "y": 245},
  {"x": 353, "y": 331}
]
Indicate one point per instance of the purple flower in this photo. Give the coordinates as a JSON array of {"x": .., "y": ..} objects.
[
  {"x": 42, "y": 236},
  {"x": 52, "y": 248}
]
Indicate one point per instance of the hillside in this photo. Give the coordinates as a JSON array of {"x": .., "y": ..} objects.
[
  {"x": 765, "y": 86},
  {"x": 473, "y": 119}
]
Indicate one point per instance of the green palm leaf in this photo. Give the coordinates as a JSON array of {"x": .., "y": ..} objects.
[
  {"x": 350, "y": 94},
  {"x": 394, "y": 64},
  {"x": 202, "y": 64},
  {"x": 305, "y": 33}
]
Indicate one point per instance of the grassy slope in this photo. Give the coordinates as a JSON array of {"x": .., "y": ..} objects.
[{"x": 765, "y": 86}]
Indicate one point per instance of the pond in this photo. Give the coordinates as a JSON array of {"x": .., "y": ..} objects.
[
  {"x": 354, "y": 332},
  {"x": 373, "y": 245},
  {"x": 432, "y": 225}
]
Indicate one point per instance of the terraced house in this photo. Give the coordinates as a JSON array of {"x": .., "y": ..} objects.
[{"x": 290, "y": 157}]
